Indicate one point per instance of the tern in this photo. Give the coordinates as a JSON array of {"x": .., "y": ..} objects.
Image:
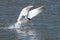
[
  {"x": 28, "y": 14},
  {"x": 23, "y": 13}
]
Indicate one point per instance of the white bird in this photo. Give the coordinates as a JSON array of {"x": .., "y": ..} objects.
[
  {"x": 28, "y": 14},
  {"x": 24, "y": 12}
]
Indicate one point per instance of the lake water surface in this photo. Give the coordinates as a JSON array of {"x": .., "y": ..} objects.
[{"x": 46, "y": 24}]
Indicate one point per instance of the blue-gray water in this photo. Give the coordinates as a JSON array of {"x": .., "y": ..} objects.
[{"x": 47, "y": 23}]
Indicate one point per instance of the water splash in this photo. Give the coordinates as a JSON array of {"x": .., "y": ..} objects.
[{"x": 23, "y": 31}]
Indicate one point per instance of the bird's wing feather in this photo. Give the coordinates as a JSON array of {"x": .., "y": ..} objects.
[
  {"x": 23, "y": 13},
  {"x": 34, "y": 13}
]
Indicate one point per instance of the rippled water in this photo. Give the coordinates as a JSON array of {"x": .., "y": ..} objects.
[{"x": 46, "y": 24}]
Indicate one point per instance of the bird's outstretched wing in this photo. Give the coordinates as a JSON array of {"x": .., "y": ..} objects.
[{"x": 35, "y": 12}]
